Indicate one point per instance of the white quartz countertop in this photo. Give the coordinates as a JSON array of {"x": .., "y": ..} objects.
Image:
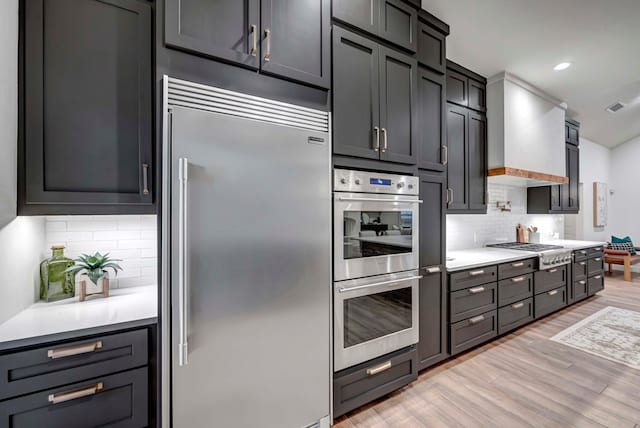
[
  {"x": 477, "y": 257},
  {"x": 45, "y": 319},
  {"x": 573, "y": 244}
]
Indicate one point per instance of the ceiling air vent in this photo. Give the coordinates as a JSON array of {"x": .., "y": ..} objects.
[{"x": 614, "y": 108}]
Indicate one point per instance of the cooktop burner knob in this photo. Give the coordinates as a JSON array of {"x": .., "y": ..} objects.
[
  {"x": 400, "y": 185},
  {"x": 343, "y": 181},
  {"x": 357, "y": 181}
]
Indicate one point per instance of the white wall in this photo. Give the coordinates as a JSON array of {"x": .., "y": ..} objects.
[
  {"x": 21, "y": 239},
  {"x": 474, "y": 230},
  {"x": 624, "y": 207}
]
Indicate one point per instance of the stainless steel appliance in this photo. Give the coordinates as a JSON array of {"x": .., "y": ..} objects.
[
  {"x": 375, "y": 223},
  {"x": 246, "y": 259},
  {"x": 374, "y": 316},
  {"x": 549, "y": 255}
]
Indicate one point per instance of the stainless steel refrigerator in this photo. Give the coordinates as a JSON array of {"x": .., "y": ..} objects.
[{"x": 247, "y": 261}]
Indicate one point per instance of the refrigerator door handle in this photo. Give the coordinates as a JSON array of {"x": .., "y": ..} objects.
[{"x": 183, "y": 348}]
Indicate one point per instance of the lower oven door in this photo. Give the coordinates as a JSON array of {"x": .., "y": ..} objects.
[
  {"x": 374, "y": 234},
  {"x": 374, "y": 316}
]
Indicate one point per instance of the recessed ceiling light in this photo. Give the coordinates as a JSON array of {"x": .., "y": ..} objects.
[{"x": 562, "y": 66}]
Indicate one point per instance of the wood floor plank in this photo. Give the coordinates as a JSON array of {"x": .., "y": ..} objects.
[{"x": 521, "y": 380}]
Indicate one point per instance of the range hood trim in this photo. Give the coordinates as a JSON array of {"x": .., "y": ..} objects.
[{"x": 527, "y": 178}]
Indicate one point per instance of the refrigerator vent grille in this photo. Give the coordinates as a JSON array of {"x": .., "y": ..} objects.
[{"x": 193, "y": 95}]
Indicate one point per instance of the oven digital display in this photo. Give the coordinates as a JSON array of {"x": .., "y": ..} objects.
[{"x": 380, "y": 181}]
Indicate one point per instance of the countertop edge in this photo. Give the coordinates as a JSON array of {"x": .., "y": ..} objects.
[{"x": 490, "y": 263}]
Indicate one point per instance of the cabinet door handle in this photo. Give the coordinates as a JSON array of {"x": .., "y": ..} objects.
[
  {"x": 476, "y": 320},
  {"x": 377, "y": 131},
  {"x": 74, "y": 350},
  {"x": 445, "y": 158},
  {"x": 254, "y": 40},
  {"x": 582, "y": 282},
  {"x": 183, "y": 264},
  {"x": 61, "y": 397},
  {"x": 583, "y": 263},
  {"x": 552, "y": 270},
  {"x": 518, "y": 279},
  {"x": 583, "y": 252},
  {"x": 598, "y": 259},
  {"x": 385, "y": 146},
  {"x": 597, "y": 249},
  {"x": 449, "y": 196},
  {"x": 434, "y": 269},
  {"x": 476, "y": 290},
  {"x": 476, "y": 272},
  {"x": 145, "y": 178},
  {"x": 597, "y": 277},
  {"x": 519, "y": 264},
  {"x": 379, "y": 369},
  {"x": 267, "y": 39},
  {"x": 552, "y": 292},
  {"x": 517, "y": 305}
]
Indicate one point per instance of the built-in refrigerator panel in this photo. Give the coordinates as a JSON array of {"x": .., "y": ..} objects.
[{"x": 249, "y": 259}]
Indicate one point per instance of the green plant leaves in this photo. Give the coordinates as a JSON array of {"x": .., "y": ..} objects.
[{"x": 94, "y": 266}]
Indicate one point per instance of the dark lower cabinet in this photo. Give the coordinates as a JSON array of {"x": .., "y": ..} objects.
[
  {"x": 580, "y": 290},
  {"x": 280, "y": 37},
  {"x": 432, "y": 347},
  {"x": 595, "y": 284},
  {"x": 118, "y": 400},
  {"x": 86, "y": 114},
  {"x": 550, "y": 301},
  {"x": 473, "y": 301},
  {"x": 515, "y": 315},
  {"x": 474, "y": 331}
]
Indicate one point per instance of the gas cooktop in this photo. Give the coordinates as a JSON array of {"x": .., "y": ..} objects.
[{"x": 536, "y": 248}]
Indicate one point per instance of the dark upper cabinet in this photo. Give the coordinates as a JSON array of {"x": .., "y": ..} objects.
[
  {"x": 431, "y": 48},
  {"x": 572, "y": 132},
  {"x": 374, "y": 100},
  {"x": 280, "y": 37},
  {"x": 86, "y": 89},
  {"x": 432, "y": 345},
  {"x": 392, "y": 20},
  {"x": 465, "y": 88},
  {"x": 432, "y": 117},
  {"x": 569, "y": 193},
  {"x": 477, "y": 169},
  {"x": 228, "y": 30},
  {"x": 458, "y": 144},
  {"x": 457, "y": 88},
  {"x": 477, "y": 95},
  {"x": 398, "y": 106},
  {"x": 356, "y": 107}
]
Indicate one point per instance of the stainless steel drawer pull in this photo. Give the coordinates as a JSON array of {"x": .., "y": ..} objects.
[
  {"x": 598, "y": 259},
  {"x": 434, "y": 269},
  {"x": 61, "y": 397},
  {"x": 267, "y": 39},
  {"x": 518, "y": 279},
  {"x": 254, "y": 40},
  {"x": 445, "y": 150},
  {"x": 552, "y": 292},
  {"x": 381, "y": 368},
  {"x": 552, "y": 270},
  {"x": 597, "y": 249},
  {"x": 377, "y": 131},
  {"x": 583, "y": 263},
  {"x": 582, "y": 282},
  {"x": 519, "y": 264},
  {"x": 145, "y": 178},
  {"x": 583, "y": 252},
  {"x": 74, "y": 350},
  {"x": 476, "y": 320},
  {"x": 517, "y": 305},
  {"x": 597, "y": 277},
  {"x": 476, "y": 272},
  {"x": 476, "y": 290}
]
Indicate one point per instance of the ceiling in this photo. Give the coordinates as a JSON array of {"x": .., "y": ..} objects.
[{"x": 528, "y": 38}]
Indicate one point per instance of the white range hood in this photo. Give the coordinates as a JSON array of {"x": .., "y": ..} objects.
[{"x": 525, "y": 132}]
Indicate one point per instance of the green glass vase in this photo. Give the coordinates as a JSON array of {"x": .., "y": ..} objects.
[{"x": 55, "y": 283}]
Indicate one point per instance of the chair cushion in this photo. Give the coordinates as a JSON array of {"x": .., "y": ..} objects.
[
  {"x": 622, "y": 246},
  {"x": 616, "y": 240}
]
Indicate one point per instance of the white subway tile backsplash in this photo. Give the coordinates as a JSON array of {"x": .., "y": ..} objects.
[{"x": 132, "y": 239}]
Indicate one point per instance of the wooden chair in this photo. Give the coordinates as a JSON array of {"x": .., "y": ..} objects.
[{"x": 620, "y": 257}]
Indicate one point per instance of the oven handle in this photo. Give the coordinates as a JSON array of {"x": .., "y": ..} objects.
[
  {"x": 377, "y": 284},
  {"x": 413, "y": 201}
]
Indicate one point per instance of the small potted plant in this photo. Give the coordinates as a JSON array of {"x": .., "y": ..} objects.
[{"x": 94, "y": 268}]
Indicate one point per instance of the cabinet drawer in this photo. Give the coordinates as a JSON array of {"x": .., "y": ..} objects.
[
  {"x": 596, "y": 284},
  {"x": 550, "y": 301},
  {"x": 118, "y": 400},
  {"x": 47, "y": 367},
  {"x": 550, "y": 279},
  {"x": 515, "y": 289},
  {"x": 580, "y": 270},
  {"x": 595, "y": 266},
  {"x": 361, "y": 384},
  {"x": 473, "y": 301},
  {"x": 515, "y": 315},
  {"x": 595, "y": 252},
  {"x": 517, "y": 268},
  {"x": 474, "y": 331},
  {"x": 580, "y": 289},
  {"x": 580, "y": 255},
  {"x": 472, "y": 277}
]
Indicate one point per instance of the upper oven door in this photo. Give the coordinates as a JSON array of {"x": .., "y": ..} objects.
[{"x": 374, "y": 234}]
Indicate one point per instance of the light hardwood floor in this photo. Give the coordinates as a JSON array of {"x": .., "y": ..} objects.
[{"x": 521, "y": 380}]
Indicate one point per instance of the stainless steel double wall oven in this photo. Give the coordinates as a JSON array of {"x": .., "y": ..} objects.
[{"x": 375, "y": 265}]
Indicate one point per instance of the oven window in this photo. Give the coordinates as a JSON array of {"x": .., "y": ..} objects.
[
  {"x": 376, "y": 315},
  {"x": 377, "y": 233}
]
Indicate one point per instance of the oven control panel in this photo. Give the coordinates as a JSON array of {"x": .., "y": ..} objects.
[{"x": 346, "y": 180}]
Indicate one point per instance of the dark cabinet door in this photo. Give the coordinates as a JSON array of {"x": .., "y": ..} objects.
[
  {"x": 432, "y": 345},
  {"x": 87, "y": 107},
  {"x": 398, "y": 24},
  {"x": 457, "y": 143},
  {"x": 356, "y": 98},
  {"x": 556, "y": 198},
  {"x": 477, "y": 169},
  {"x": 227, "y": 30},
  {"x": 572, "y": 134},
  {"x": 573, "y": 172},
  {"x": 398, "y": 106},
  {"x": 431, "y": 121},
  {"x": 295, "y": 42},
  {"x": 457, "y": 88},
  {"x": 431, "y": 48},
  {"x": 364, "y": 14},
  {"x": 477, "y": 95},
  {"x": 432, "y": 221}
]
